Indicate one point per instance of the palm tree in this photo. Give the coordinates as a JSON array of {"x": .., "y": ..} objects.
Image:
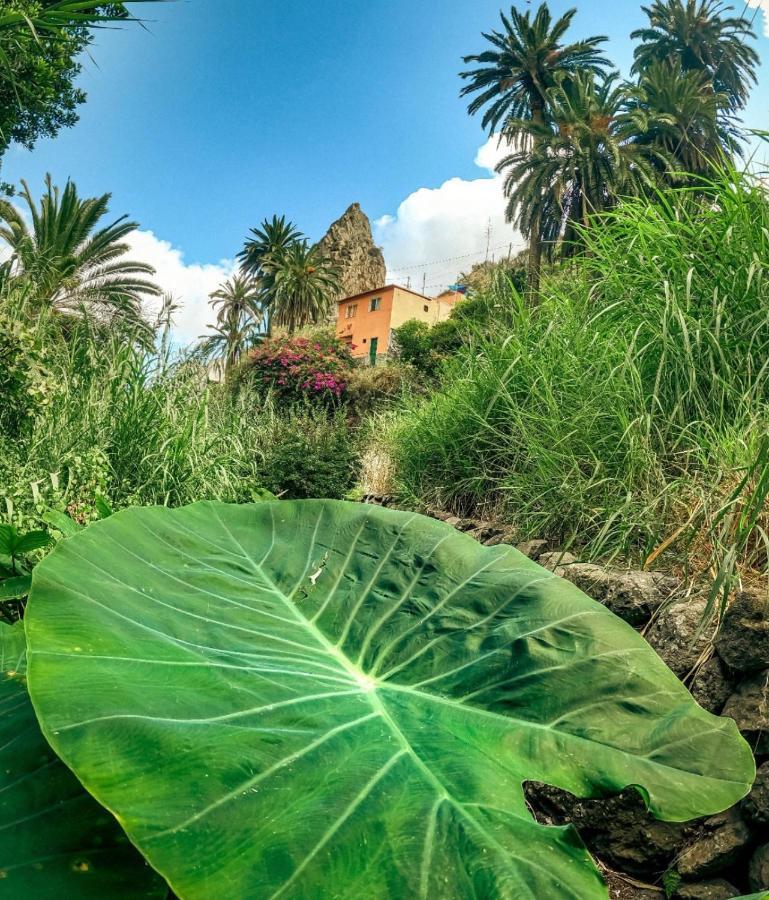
[
  {"x": 512, "y": 81},
  {"x": 302, "y": 285},
  {"x": 680, "y": 113},
  {"x": 164, "y": 322},
  {"x": 239, "y": 319},
  {"x": 74, "y": 267},
  {"x": 270, "y": 240},
  {"x": 581, "y": 162},
  {"x": 700, "y": 37}
]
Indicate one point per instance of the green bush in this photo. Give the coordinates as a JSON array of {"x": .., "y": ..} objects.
[
  {"x": 426, "y": 347},
  {"x": 374, "y": 388},
  {"x": 306, "y": 454}
]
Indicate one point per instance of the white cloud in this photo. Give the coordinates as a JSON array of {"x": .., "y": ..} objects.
[
  {"x": 763, "y": 5},
  {"x": 434, "y": 226},
  {"x": 190, "y": 283}
]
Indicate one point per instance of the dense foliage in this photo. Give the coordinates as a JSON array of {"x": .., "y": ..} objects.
[
  {"x": 116, "y": 423},
  {"x": 633, "y": 403},
  {"x": 41, "y": 42}
]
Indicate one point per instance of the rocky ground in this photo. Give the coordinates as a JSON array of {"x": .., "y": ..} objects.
[{"x": 717, "y": 858}]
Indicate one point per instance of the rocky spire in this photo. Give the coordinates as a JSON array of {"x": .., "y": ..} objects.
[{"x": 350, "y": 245}]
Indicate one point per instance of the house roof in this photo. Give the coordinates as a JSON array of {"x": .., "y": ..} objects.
[{"x": 386, "y": 287}]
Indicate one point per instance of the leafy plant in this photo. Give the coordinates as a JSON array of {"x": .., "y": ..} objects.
[
  {"x": 308, "y": 454},
  {"x": 15, "y": 577},
  {"x": 57, "y": 841},
  {"x": 24, "y": 382},
  {"x": 315, "y": 699}
]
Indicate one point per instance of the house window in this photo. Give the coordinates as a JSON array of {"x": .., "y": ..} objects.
[
  {"x": 374, "y": 304},
  {"x": 364, "y": 340},
  {"x": 351, "y": 311},
  {"x": 426, "y": 308}
]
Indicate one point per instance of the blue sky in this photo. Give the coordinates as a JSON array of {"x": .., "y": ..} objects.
[{"x": 226, "y": 111}]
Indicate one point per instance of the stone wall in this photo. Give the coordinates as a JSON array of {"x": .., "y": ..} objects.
[{"x": 716, "y": 858}]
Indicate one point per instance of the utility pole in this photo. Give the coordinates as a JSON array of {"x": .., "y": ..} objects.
[
  {"x": 408, "y": 282},
  {"x": 488, "y": 240},
  {"x": 424, "y": 282}
]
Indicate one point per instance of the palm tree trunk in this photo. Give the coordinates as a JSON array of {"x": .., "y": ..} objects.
[
  {"x": 535, "y": 261},
  {"x": 535, "y": 236}
]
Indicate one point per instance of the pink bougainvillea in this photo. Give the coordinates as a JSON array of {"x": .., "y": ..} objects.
[{"x": 296, "y": 368}]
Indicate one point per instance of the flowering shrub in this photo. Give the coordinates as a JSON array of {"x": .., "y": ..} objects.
[{"x": 294, "y": 368}]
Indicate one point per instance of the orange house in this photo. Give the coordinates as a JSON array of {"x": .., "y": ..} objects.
[{"x": 366, "y": 321}]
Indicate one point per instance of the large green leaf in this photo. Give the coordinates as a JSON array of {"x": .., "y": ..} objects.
[
  {"x": 328, "y": 700},
  {"x": 56, "y": 842}
]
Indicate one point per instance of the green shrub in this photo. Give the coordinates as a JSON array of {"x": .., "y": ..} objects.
[
  {"x": 306, "y": 453},
  {"x": 374, "y": 388},
  {"x": 426, "y": 347}
]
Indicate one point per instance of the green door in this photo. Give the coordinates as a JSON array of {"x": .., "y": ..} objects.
[{"x": 372, "y": 351}]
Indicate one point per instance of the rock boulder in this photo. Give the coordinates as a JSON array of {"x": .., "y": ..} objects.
[
  {"x": 717, "y": 889},
  {"x": 673, "y": 634},
  {"x": 749, "y": 707},
  {"x": 758, "y": 870},
  {"x": 633, "y": 596},
  {"x": 712, "y": 686},
  {"x": 350, "y": 245},
  {"x": 743, "y": 641},
  {"x": 721, "y": 842},
  {"x": 755, "y": 807}
]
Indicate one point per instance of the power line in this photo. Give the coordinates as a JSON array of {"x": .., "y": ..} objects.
[{"x": 436, "y": 262}]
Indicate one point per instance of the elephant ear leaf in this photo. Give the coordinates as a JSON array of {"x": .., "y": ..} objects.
[
  {"x": 318, "y": 699},
  {"x": 57, "y": 841}
]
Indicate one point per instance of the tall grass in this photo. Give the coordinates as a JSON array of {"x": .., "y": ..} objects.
[
  {"x": 626, "y": 412},
  {"x": 120, "y": 423}
]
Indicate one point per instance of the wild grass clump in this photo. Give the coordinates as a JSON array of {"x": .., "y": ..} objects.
[
  {"x": 119, "y": 423},
  {"x": 622, "y": 414}
]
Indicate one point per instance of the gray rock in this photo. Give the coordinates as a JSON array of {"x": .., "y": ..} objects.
[
  {"x": 533, "y": 549},
  {"x": 717, "y": 889},
  {"x": 439, "y": 514},
  {"x": 743, "y": 642},
  {"x": 350, "y": 245},
  {"x": 758, "y": 870},
  {"x": 454, "y": 521},
  {"x": 749, "y": 707},
  {"x": 618, "y": 830},
  {"x": 755, "y": 807},
  {"x": 503, "y": 537},
  {"x": 672, "y": 634},
  {"x": 633, "y": 596},
  {"x": 556, "y": 559},
  {"x": 721, "y": 842},
  {"x": 484, "y": 531},
  {"x": 712, "y": 686}
]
